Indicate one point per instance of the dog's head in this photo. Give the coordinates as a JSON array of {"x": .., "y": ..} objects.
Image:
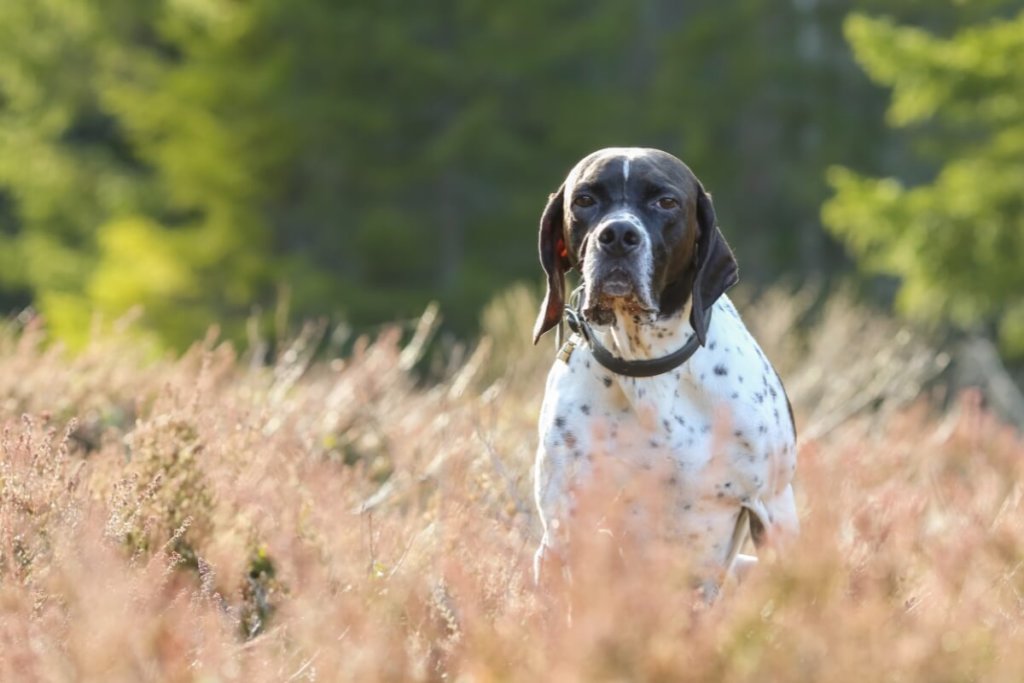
[{"x": 641, "y": 228}]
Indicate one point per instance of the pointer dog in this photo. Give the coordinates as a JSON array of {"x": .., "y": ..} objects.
[{"x": 661, "y": 372}]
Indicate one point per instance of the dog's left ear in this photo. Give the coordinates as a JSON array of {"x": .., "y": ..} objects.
[
  {"x": 555, "y": 260},
  {"x": 716, "y": 266}
]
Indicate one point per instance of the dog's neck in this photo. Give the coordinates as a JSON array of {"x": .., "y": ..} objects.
[{"x": 633, "y": 338}]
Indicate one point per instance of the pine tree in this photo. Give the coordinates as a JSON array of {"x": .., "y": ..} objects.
[{"x": 957, "y": 241}]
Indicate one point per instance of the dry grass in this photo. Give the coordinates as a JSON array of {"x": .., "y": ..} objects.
[{"x": 197, "y": 519}]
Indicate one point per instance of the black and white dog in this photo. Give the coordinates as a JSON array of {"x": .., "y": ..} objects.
[{"x": 660, "y": 371}]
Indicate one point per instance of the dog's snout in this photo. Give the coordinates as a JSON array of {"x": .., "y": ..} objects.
[{"x": 618, "y": 238}]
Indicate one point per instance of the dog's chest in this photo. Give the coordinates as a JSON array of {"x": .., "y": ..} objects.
[{"x": 714, "y": 431}]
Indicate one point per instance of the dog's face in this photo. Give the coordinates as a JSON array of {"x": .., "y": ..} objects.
[
  {"x": 630, "y": 223},
  {"x": 641, "y": 228}
]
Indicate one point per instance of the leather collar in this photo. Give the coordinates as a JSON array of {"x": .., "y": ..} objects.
[{"x": 648, "y": 367}]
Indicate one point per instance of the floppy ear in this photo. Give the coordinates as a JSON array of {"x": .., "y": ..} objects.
[
  {"x": 717, "y": 269},
  {"x": 555, "y": 260}
]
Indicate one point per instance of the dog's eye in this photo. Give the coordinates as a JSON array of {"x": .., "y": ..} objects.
[
  {"x": 667, "y": 203},
  {"x": 583, "y": 201}
]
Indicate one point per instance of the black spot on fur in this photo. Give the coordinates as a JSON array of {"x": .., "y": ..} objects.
[
  {"x": 585, "y": 409},
  {"x": 559, "y": 421},
  {"x": 607, "y": 380},
  {"x": 721, "y": 370}
]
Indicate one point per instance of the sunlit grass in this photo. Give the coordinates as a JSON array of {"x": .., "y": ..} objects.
[{"x": 201, "y": 519}]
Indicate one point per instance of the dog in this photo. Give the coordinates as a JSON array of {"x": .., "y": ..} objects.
[{"x": 660, "y": 370}]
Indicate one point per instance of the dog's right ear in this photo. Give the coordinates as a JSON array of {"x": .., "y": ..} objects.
[{"x": 555, "y": 259}]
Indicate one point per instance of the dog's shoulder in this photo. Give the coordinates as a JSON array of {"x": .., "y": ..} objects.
[{"x": 577, "y": 390}]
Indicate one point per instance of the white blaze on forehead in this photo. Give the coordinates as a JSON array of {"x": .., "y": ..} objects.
[
  {"x": 628, "y": 154},
  {"x": 607, "y": 155}
]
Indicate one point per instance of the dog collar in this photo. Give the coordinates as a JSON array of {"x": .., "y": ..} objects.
[{"x": 648, "y": 367}]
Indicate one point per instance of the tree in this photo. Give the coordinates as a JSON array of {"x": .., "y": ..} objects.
[
  {"x": 65, "y": 165},
  {"x": 956, "y": 241},
  {"x": 360, "y": 158},
  {"x": 364, "y": 157}
]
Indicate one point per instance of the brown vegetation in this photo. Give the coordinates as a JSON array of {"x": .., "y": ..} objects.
[{"x": 201, "y": 519}]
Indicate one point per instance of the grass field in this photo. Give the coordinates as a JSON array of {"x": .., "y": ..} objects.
[{"x": 208, "y": 518}]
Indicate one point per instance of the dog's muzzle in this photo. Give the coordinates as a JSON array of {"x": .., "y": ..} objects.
[{"x": 617, "y": 270}]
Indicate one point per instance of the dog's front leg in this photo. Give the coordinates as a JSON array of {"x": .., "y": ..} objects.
[{"x": 553, "y": 497}]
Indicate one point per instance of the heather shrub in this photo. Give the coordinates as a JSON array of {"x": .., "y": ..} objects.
[{"x": 340, "y": 519}]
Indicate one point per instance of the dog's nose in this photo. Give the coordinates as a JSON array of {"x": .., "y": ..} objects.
[{"x": 618, "y": 238}]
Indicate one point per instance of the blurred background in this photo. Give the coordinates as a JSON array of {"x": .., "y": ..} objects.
[{"x": 259, "y": 162}]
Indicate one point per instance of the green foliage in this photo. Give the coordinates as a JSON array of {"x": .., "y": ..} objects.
[
  {"x": 956, "y": 242},
  {"x": 205, "y": 160}
]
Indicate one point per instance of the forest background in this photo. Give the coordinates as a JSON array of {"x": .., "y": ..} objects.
[{"x": 260, "y": 163}]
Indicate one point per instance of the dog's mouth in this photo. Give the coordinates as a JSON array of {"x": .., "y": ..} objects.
[
  {"x": 617, "y": 284},
  {"x": 617, "y": 289}
]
